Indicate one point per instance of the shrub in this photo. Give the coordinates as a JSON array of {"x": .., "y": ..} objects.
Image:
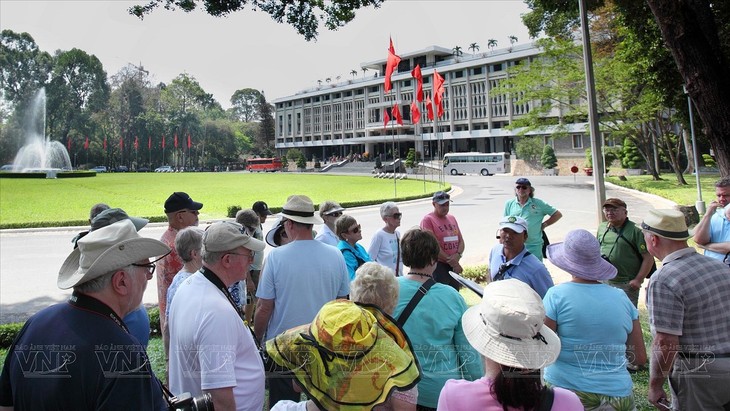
[
  {"x": 294, "y": 154},
  {"x": 476, "y": 273},
  {"x": 301, "y": 161},
  {"x": 411, "y": 158},
  {"x": 529, "y": 149},
  {"x": 8, "y": 332},
  {"x": 548, "y": 158},
  {"x": 630, "y": 156},
  {"x": 284, "y": 163},
  {"x": 708, "y": 160},
  {"x": 232, "y": 210},
  {"x": 589, "y": 159},
  {"x": 378, "y": 162},
  {"x": 154, "y": 314}
]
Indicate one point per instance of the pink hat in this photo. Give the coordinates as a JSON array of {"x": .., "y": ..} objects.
[{"x": 580, "y": 255}]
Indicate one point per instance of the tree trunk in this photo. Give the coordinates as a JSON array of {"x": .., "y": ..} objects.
[
  {"x": 690, "y": 153},
  {"x": 689, "y": 31}
]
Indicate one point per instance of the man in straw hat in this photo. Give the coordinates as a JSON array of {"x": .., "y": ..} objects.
[
  {"x": 211, "y": 350},
  {"x": 349, "y": 358},
  {"x": 296, "y": 281},
  {"x": 80, "y": 355},
  {"x": 688, "y": 300},
  {"x": 507, "y": 329}
]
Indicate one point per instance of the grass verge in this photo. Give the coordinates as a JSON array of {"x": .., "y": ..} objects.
[
  {"x": 63, "y": 202},
  {"x": 670, "y": 189}
]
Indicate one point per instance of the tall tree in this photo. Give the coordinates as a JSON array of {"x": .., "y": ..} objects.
[
  {"x": 474, "y": 47},
  {"x": 245, "y": 104},
  {"x": 304, "y": 15},
  {"x": 24, "y": 68},
  {"x": 266, "y": 126},
  {"x": 491, "y": 44},
  {"x": 457, "y": 51}
]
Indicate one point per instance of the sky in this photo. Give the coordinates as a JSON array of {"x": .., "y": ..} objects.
[{"x": 247, "y": 49}]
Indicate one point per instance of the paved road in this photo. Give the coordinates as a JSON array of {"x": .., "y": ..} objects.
[{"x": 29, "y": 261}]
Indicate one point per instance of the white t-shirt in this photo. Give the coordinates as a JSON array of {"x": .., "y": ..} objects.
[
  {"x": 301, "y": 278},
  {"x": 326, "y": 236},
  {"x": 384, "y": 250},
  {"x": 210, "y": 347}
]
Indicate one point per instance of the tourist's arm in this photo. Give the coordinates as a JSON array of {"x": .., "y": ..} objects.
[
  {"x": 646, "y": 263},
  {"x": 723, "y": 247},
  {"x": 557, "y": 215},
  {"x": 702, "y": 231},
  {"x": 222, "y": 398},
  {"x": 635, "y": 348},
  {"x": 664, "y": 349},
  {"x": 264, "y": 309},
  {"x": 551, "y": 324}
]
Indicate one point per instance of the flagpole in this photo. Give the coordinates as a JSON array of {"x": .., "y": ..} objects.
[{"x": 395, "y": 189}]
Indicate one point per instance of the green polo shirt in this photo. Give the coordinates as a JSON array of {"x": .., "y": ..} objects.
[{"x": 619, "y": 252}]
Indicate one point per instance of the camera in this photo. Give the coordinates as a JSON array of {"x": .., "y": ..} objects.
[{"x": 186, "y": 401}]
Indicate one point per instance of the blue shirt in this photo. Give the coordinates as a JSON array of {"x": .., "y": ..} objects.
[
  {"x": 719, "y": 232},
  {"x": 350, "y": 253},
  {"x": 534, "y": 211},
  {"x": 594, "y": 322},
  {"x": 526, "y": 268}
]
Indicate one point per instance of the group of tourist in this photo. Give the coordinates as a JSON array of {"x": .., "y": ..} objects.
[{"x": 382, "y": 327}]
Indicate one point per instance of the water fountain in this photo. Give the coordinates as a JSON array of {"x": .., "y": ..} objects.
[{"x": 40, "y": 153}]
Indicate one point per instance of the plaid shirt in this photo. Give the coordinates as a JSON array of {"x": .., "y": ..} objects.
[{"x": 689, "y": 296}]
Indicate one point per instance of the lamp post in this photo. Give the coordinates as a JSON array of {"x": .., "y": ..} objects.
[{"x": 699, "y": 204}]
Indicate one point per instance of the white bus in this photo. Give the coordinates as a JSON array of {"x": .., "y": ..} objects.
[{"x": 476, "y": 163}]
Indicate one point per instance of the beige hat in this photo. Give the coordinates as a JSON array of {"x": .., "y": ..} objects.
[
  {"x": 300, "y": 208},
  {"x": 669, "y": 224},
  {"x": 107, "y": 249},
  {"x": 227, "y": 235},
  {"x": 507, "y": 326}
]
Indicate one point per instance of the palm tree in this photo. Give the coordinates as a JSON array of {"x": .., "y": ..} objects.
[
  {"x": 319, "y": 82},
  {"x": 328, "y": 79},
  {"x": 512, "y": 39},
  {"x": 457, "y": 51},
  {"x": 491, "y": 44},
  {"x": 364, "y": 69},
  {"x": 474, "y": 47},
  {"x": 354, "y": 73},
  {"x": 338, "y": 78}
]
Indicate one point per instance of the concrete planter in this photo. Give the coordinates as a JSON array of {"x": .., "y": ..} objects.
[
  {"x": 550, "y": 171},
  {"x": 634, "y": 171}
]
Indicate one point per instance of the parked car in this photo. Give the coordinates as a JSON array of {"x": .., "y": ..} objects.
[
  {"x": 143, "y": 170},
  {"x": 100, "y": 169},
  {"x": 7, "y": 167},
  {"x": 121, "y": 169},
  {"x": 164, "y": 169}
]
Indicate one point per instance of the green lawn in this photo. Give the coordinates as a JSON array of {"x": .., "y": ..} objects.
[
  {"x": 668, "y": 187},
  {"x": 60, "y": 202}
]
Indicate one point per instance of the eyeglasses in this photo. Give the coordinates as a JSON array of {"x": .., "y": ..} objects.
[
  {"x": 354, "y": 230},
  {"x": 396, "y": 215},
  {"x": 521, "y": 187},
  {"x": 150, "y": 268},
  {"x": 195, "y": 212},
  {"x": 249, "y": 255}
]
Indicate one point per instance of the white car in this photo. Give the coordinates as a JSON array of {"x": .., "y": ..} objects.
[
  {"x": 164, "y": 169},
  {"x": 100, "y": 169}
]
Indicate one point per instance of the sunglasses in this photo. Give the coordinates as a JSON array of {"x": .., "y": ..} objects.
[
  {"x": 354, "y": 230},
  {"x": 335, "y": 214},
  {"x": 396, "y": 215},
  {"x": 521, "y": 187}
]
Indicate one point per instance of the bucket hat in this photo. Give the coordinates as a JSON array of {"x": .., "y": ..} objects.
[
  {"x": 106, "y": 249},
  {"x": 580, "y": 255},
  {"x": 507, "y": 326},
  {"x": 273, "y": 236},
  {"x": 349, "y": 358},
  {"x": 112, "y": 215},
  {"x": 300, "y": 208},
  {"x": 669, "y": 224}
]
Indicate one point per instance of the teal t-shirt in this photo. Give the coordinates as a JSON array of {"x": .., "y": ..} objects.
[{"x": 534, "y": 211}]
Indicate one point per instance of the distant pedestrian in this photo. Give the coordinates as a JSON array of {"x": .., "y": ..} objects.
[{"x": 533, "y": 210}]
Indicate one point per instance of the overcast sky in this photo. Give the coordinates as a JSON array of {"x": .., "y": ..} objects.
[{"x": 247, "y": 48}]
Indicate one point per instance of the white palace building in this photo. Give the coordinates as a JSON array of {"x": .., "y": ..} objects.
[{"x": 347, "y": 117}]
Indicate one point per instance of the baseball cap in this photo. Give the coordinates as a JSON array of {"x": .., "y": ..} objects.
[
  {"x": 441, "y": 197},
  {"x": 516, "y": 224},
  {"x": 261, "y": 208},
  {"x": 227, "y": 235},
  {"x": 524, "y": 181},
  {"x": 181, "y": 201},
  {"x": 614, "y": 202}
]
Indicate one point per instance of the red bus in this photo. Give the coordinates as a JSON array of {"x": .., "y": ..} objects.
[{"x": 263, "y": 164}]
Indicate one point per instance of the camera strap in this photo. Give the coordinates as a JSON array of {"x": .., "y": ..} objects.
[{"x": 87, "y": 303}]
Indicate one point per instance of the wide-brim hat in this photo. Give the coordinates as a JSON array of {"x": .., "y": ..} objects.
[
  {"x": 349, "y": 358},
  {"x": 580, "y": 255},
  {"x": 105, "y": 250},
  {"x": 300, "y": 208},
  {"x": 669, "y": 224},
  {"x": 507, "y": 326},
  {"x": 271, "y": 234}
]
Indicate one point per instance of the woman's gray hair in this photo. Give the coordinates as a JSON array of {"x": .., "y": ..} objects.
[
  {"x": 343, "y": 224},
  {"x": 188, "y": 239},
  {"x": 386, "y": 207},
  {"x": 375, "y": 284},
  {"x": 327, "y": 206}
]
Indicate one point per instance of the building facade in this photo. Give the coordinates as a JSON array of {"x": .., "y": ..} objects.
[{"x": 348, "y": 117}]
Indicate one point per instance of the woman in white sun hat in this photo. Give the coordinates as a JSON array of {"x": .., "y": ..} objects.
[
  {"x": 508, "y": 331},
  {"x": 597, "y": 324}
]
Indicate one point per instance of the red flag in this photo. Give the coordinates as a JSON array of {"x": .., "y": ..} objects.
[
  {"x": 121, "y": 142},
  {"x": 190, "y": 142},
  {"x": 396, "y": 114},
  {"x": 429, "y": 108},
  {"x": 136, "y": 142},
  {"x": 86, "y": 144},
  {"x": 415, "y": 113},
  {"x": 163, "y": 141},
  {"x": 390, "y": 66},
  {"x": 104, "y": 143},
  {"x": 68, "y": 144},
  {"x": 149, "y": 142},
  {"x": 438, "y": 93},
  {"x": 175, "y": 140},
  {"x": 386, "y": 117},
  {"x": 416, "y": 73}
]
